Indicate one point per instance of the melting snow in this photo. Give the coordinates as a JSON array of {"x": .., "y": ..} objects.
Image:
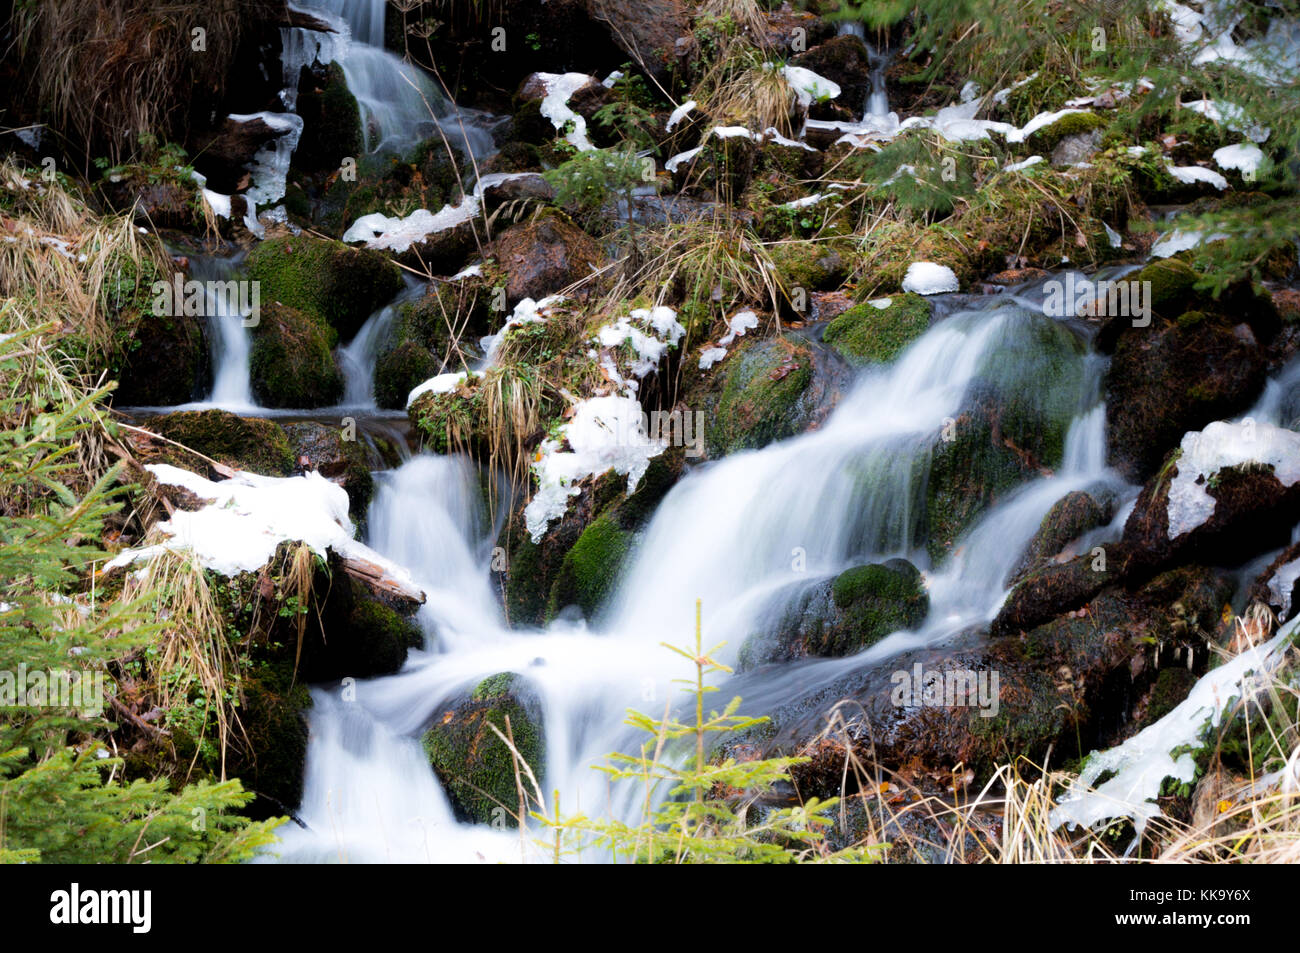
[
  {"x": 1243, "y": 157},
  {"x": 250, "y": 515},
  {"x": 809, "y": 86},
  {"x": 1141, "y": 763},
  {"x": 606, "y": 433},
  {"x": 927, "y": 278},
  {"x": 442, "y": 384},
  {"x": 1218, "y": 446},
  {"x": 1194, "y": 173},
  {"x": 555, "y": 106},
  {"x": 680, "y": 113}
]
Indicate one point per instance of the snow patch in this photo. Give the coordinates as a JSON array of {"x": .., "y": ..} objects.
[{"x": 928, "y": 278}]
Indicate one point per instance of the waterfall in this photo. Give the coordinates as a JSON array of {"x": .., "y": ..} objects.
[
  {"x": 877, "y": 98},
  {"x": 729, "y": 533},
  {"x": 400, "y": 106},
  {"x": 359, "y": 357},
  {"x": 228, "y": 336}
]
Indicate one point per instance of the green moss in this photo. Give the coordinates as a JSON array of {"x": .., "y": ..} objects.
[
  {"x": 400, "y": 371},
  {"x": 1190, "y": 319},
  {"x": 247, "y": 443},
  {"x": 865, "y": 334},
  {"x": 473, "y": 764},
  {"x": 1073, "y": 124},
  {"x": 291, "y": 363},
  {"x": 325, "y": 278},
  {"x": 589, "y": 568},
  {"x": 761, "y": 384},
  {"x": 331, "y": 123},
  {"x": 1172, "y": 285},
  {"x": 878, "y": 599}
]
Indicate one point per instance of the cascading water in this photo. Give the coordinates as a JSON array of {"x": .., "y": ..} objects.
[
  {"x": 745, "y": 534},
  {"x": 877, "y": 98},
  {"x": 359, "y": 357},
  {"x": 228, "y": 335},
  {"x": 400, "y": 106}
]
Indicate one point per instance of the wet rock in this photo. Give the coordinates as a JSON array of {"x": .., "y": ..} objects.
[
  {"x": 844, "y": 615},
  {"x": 325, "y": 278},
  {"x": 765, "y": 390},
  {"x": 245, "y": 443},
  {"x": 400, "y": 370},
  {"x": 1278, "y": 586},
  {"x": 475, "y": 766},
  {"x": 223, "y": 158},
  {"x": 166, "y": 362},
  {"x": 1069, "y": 684},
  {"x": 1245, "y": 508},
  {"x": 331, "y": 121},
  {"x": 1044, "y": 593},
  {"x": 1068, "y": 519},
  {"x": 844, "y": 61},
  {"x": 577, "y": 561},
  {"x": 540, "y": 257},
  {"x": 155, "y": 204},
  {"x": 291, "y": 363},
  {"x": 1173, "y": 378}
]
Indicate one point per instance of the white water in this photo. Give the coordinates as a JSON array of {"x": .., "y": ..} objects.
[
  {"x": 877, "y": 98},
  {"x": 359, "y": 357},
  {"x": 400, "y": 105},
  {"x": 731, "y": 533},
  {"x": 229, "y": 341}
]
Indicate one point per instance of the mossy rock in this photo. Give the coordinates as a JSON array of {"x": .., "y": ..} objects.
[
  {"x": 1014, "y": 421},
  {"x": 331, "y": 120},
  {"x": 453, "y": 422},
  {"x": 359, "y": 636},
  {"x": 291, "y": 362},
  {"x": 588, "y": 570},
  {"x": 400, "y": 371},
  {"x": 245, "y": 443},
  {"x": 1048, "y": 137},
  {"x": 808, "y": 266},
  {"x": 1069, "y": 518},
  {"x": 867, "y": 334},
  {"x": 460, "y": 310},
  {"x": 844, "y": 615},
  {"x": 165, "y": 362},
  {"x": 474, "y": 765},
  {"x": 269, "y": 755},
  {"x": 336, "y": 458},
  {"x": 759, "y": 401},
  {"x": 324, "y": 278}
]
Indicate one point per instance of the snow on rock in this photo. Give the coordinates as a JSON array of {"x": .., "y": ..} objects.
[
  {"x": 382, "y": 232},
  {"x": 442, "y": 384},
  {"x": 649, "y": 332},
  {"x": 1041, "y": 121},
  {"x": 1281, "y": 584},
  {"x": 809, "y": 86},
  {"x": 1180, "y": 240},
  {"x": 1219, "y": 446},
  {"x": 1140, "y": 765},
  {"x": 605, "y": 433},
  {"x": 1230, "y": 115},
  {"x": 1192, "y": 174},
  {"x": 1243, "y": 157},
  {"x": 928, "y": 278},
  {"x": 526, "y": 311},
  {"x": 737, "y": 325},
  {"x": 680, "y": 113},
  {"x": 555, "y": 106},
  {"x": 681, "y": 158},
  {"x": 710, "y": 356},
  {"x": 248, "y": 516}
]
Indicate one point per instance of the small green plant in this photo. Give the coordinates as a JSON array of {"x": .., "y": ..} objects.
[{"x": 701, "y": 811}]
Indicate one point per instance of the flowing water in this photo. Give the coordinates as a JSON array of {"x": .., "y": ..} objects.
[{"x": 745, "y": 534}]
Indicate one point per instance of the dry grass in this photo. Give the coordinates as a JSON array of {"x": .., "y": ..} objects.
[
  {"x": 65, "y": 263},
  {"x": 105, "y": 72}
]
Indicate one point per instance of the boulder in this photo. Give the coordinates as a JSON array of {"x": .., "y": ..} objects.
[
  {"x": 475, "y": 766},
  {"x": 331, "y": 120},
  {"x": 844, "y": 61},
  {"x": 336, "y": 458},
  {"x": 1069, "y": 518},
  {"x": 324, "y": 278},
  {"x": 244, "y": 443},
  {"x": 1226, "y": 494},
  {"x": 646, "y": 30},
  {"x": 165, "y": 363},
  {"x": 542, "y": 256},
  {"x": 869, "y": 334},
  {"x": 291, "y": 362},
  {"x": 844, "y": 615}
]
